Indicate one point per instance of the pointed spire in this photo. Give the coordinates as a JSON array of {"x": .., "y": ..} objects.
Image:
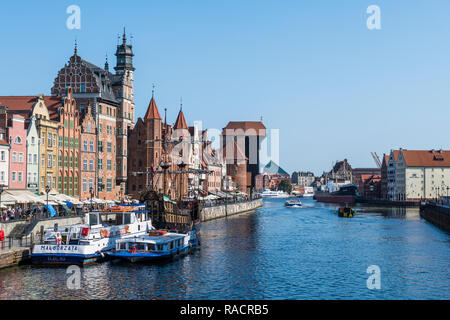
[
  {"x": 106, "y": 63},
  {"x": 152, "y": 110},
  {"x": 76, "y": 47},
  {"x": 124, "y": 37},
  {"x": 153, "y": 90},
  {"x": 181, "y": 121}
]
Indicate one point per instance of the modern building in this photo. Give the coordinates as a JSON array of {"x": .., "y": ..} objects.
[{"x": 271, "y": 177}]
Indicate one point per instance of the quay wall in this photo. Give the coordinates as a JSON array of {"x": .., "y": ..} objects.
[
  {"x": 437, "y": 215},
  {"x": 210, "y": 213},
  {"x": 392, "y": 203},
  {"x": 7, "y": 227},
  {"x": 13, "y": 257}
]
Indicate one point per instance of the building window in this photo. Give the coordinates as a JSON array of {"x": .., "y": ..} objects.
[
  {"x": 3, "y": 156},
  {"x": 14, "y": 157},
  {"x": 35, "y": 158},
  {"x": 100, "y": 146},
  {"x": 20, "y": 176},
  {"x": 85, "y": 165},
  {"x": 108, "y": 185},
  {"x": 83, "y": 89},
  {"x": 60, "y": 141},
  {"x": 13, "y": 176},
  {"x": 91, "y": 146},
  {"x": 30, "y": 158},
  {"x": 18, "y": 140},
  {"x": 2, "y": 176},
  {"x": 109, "y": 146},
  {"x": 100, "y": 164},
  {"x": 20, "y": 157},
  {"x": 85, "y": 145},
  {"x": 84, "y": 185},
  {"x": 91, "y": 165},
  {"x": 108, "y": 164}
]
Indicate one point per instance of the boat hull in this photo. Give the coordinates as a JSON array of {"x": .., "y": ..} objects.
[
  {"x": 66, "y": 259},
  {"x": 151, "y": 256},
  {"x": 335, "y": 199}
]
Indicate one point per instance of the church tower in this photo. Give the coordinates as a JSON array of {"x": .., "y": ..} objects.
[{"x": 125, "y": 113}]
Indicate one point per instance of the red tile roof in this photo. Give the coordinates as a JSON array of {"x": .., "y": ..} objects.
[
  {"x": 247, "y": 125},
  {"x": 152, "y": 111},
  {"x": 24, "y": 104},
  {"x": 427, "y": 158}
]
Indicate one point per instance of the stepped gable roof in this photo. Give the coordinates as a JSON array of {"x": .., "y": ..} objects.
[
  {"x": 180, "y": 123},
  {"x": 426, "y": 158},
  {"x": 395, "y": 153},
  {"x": 152, "y": 111},
  {"x": 249, "y": 127},
  {"x": 273, "y": 168}
]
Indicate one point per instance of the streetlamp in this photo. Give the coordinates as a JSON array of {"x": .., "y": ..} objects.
[
  {"x": 2, "y": 188},
  {"x": 91, "y": 190},
  {"x": 47, "y": 191}
]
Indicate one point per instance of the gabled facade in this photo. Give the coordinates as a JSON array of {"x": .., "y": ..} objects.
[
  {"x": 32, "y": 156},
  {"x": 391, "y": 174},
  {"x": 88, "y": 151},
  {"x": 17, "y": 162}
]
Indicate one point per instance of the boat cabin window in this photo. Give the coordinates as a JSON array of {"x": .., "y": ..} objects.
[
  {"x": 140, "y": 246},
  {"x": 126, "y": 218},
  {"x": 122, "y": 245},
  {"x": 93, "y": 219},
  {"x": 151, "y": 246},
  {"x": 160, "y": 247},
  {"x": 171, "y": 244}
]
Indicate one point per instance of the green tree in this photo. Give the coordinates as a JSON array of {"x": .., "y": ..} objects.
[{"x": 285, "y": 186}]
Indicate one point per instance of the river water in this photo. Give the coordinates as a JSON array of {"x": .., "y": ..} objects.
[{"x": 272, "y": 253}]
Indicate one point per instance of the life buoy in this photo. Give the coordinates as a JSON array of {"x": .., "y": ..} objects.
[{"x": 127, "y": 228}]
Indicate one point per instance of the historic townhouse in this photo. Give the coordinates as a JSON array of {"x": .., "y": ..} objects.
[
  {"x": 17, "y": 161},
  {"x": 4, "y": 159},
  {"x": 68, "y": 146},
  {"x": 41, "y": 144},
  {"x": 88, "y": 154},
  {"x": 112, "y": 101},
  {"x": 32, "y": 156},
  {"x": 45, "y": 112}
]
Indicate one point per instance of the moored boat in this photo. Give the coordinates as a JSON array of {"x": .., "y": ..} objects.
[
  {"x": 154, "y": 246},
  {"x": 269, "y": 194},
  {"x": 346, "y": 194},
  {"x": 88, "y": 242}
]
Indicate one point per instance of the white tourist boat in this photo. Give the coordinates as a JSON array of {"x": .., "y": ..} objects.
[
  {"x": 274, "y": 194},
  {"x": 88, "y": 242},
  {"x": 156, "y": 245},
  {"x": 309, "y": 192}
]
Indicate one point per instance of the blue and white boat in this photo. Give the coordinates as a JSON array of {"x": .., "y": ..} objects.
[
  {"x": 154, "y": 246},
  {"x": 88, "y": 242}
]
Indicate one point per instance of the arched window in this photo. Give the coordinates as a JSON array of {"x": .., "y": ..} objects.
[{"x": 18, "y": 140}]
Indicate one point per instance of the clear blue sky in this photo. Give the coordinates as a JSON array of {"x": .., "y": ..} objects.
[{"x": 311, "y": 68}]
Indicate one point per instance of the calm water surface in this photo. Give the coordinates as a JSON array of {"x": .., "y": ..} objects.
[{"x": 272, "y": 253}]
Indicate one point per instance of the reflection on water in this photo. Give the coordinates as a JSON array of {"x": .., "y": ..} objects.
[{"x": 272, "y": 253}]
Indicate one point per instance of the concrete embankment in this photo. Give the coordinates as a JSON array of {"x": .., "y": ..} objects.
[
  {"x": 224, "y": 210},
  {"x": 437, "y": 215},
  {"x": 35, "y": 227}
]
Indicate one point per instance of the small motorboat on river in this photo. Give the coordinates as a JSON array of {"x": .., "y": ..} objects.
[
  {"x": 346, "y": 212},
  {"x": 293, "y": 204}
]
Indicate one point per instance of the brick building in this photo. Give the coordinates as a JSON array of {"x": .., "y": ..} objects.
[{"x": 88, "y": 150}]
